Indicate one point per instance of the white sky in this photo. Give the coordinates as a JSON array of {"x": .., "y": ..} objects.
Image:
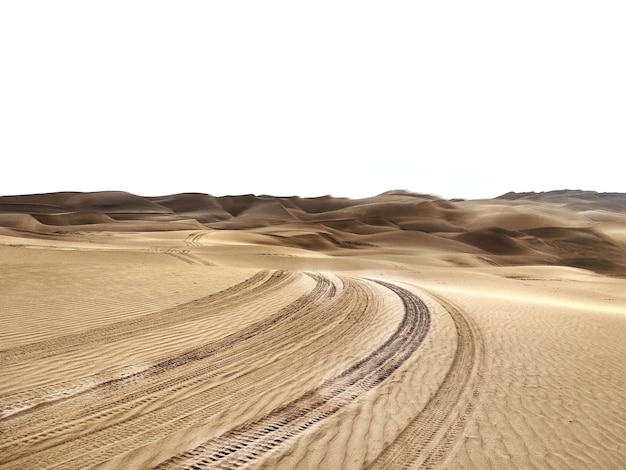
[{"x": 455, "y": 98}]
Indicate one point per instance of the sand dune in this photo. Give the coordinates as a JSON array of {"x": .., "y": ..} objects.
[
  {"x": 568, "y": 228},
  {"x": 397, "y": 331}
]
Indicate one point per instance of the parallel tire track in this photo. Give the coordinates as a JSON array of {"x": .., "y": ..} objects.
[
  {"x": 201, "y": 406},
  {"x": 14, "y": 404},
  {"x": 246, "y": 443},
  {"x": 194, "y": 239},
  {"x": 193, "y": 310},
  {"x": 156, "y": 370},
  {"x": 124, "y": 413},
  {"x": 425, "y": 441},
  {"x": 187, "y": 257},
  {"x": 31, "y": 433}
]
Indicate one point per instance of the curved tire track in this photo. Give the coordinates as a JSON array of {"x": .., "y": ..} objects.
[
  {"x": 187, "y": 257},
  {"x": 194, "y": 239},
  {"x": 425, "y": 441},
  {"x": 122, "y": 414},
  {"x": 193, "y": 310},
  {"x": 246, "y": 443},
  {"x": 14, "y": 404},
  {"x": 201, "y": 406},
  {"x": 31, "y": 432}
]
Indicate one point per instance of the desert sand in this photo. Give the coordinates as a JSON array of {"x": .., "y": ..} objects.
[{"x": 398, "y": 331}]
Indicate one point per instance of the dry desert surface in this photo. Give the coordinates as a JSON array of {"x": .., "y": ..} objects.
[{"x": 398, "y": 331}]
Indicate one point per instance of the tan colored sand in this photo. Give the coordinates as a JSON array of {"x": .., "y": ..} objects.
[{"x": 394, "y": 332}]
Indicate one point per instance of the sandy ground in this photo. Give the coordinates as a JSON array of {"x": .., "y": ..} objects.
[{"x": 400, "y": 331}]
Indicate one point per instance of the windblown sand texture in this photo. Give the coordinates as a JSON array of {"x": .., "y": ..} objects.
[{"x": 398, "y": 331}]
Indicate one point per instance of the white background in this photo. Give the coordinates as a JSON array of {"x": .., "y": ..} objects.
[{"x": 453, "y": 98}]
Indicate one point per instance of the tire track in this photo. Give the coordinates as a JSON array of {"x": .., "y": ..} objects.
[
  {"x": 246, "y": 387},
  {"x": 121, "y": 395},
  {"x": 194, "y": 239},
  {"x": 187, "y": 257},
  {"x": 193, "y": 310},
  {"x": 425, "y": 441},
  {"x": 131, "y": 400},
  {"x": 14, "y": 404},
  {"x": 59, "y": 392},
  {"x": 247, "y": 442}
]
